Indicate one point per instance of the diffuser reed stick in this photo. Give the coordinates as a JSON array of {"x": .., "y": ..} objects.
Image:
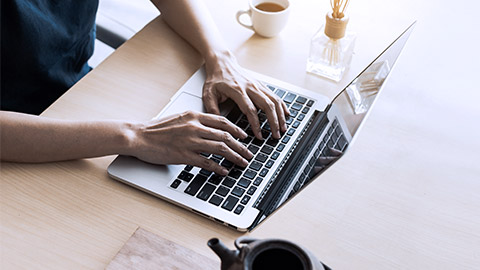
[{"x": 331, "y": 48}]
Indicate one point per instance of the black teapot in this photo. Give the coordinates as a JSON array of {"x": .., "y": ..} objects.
[{"x": 254, "y": 254}]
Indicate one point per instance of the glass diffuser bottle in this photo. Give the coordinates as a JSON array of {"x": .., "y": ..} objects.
[{"x": 331, "y": 48}]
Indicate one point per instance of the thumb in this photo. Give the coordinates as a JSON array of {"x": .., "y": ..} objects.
[{"x": 210, "y": 101}]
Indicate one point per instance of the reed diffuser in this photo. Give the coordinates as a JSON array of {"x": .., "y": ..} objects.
[{"x": 331, "y": 48}]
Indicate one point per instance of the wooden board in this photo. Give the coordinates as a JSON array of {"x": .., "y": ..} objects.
[{"x": 145, "y": 250}]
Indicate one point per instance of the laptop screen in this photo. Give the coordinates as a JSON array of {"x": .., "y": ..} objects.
[{"x": 356, "y": 100}]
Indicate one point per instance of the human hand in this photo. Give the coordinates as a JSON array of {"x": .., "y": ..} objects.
[
  {"x": 180, "y": 138},
  {"x": 226, "y": 79}
]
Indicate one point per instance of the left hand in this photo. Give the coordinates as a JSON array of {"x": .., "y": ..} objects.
[{"x": 226, "y": 79}]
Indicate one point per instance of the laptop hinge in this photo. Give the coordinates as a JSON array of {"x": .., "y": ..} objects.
[{"x": 284, "y": 178}]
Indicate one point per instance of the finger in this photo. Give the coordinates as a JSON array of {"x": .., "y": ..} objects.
[
  {"x": 269, "y": 108},
  {"x": 207, "y": 164},
  {"x": 280, "y": 109},
  {"x": 247, "y": 108},
  {"x": 222, "y": 149},
  {"x": 210, "y": 100},
  {"x": 222, "y": 123},
  {"x": 226, "y": 138}
]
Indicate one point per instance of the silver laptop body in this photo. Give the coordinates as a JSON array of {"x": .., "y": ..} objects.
[{"x": 280, "y": 168}]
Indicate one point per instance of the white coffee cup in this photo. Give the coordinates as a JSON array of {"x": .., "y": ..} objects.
[{"x": 268, "y": 17}]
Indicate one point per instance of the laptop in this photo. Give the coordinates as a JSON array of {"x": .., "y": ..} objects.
[{"x": 280, "y": 168}]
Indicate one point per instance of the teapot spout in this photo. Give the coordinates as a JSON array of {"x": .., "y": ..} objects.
[{"x": 226, "y": 255}]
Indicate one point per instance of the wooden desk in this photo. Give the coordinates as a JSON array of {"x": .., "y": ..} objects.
[{"x": 406, "y": 196}]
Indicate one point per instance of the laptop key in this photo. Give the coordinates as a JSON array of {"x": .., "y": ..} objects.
[
  {"x": 188, "y": 168},
  {"x": 251, "y": 190},
  {"x": 216, "y": 200},
  {"x": 247, "y": 140},
  {"x": 289, "y": 98},
  {"x": 271, "y": 87},
  {"x": 205, "y": 192},
  {"x": 301, "y": 100},
  {"x": 253, "y": 148},
  {"x": 269, "y": 163},
  {"x": 293, "y": 113},
  {"x": 235, "y": 173},
  {"x": 266, "y": 150},
  {"x": 265, "y": 134},
  {"x": 244, "y": 182},
  {"x": 242, "y": 124},
  {"x": 286, "y": 139},
  {"x": 250, "y": 174},
  {"x": 238, "y": 191},
  {"x": 257, "y": 181},
  {"x": 238, "y": 210},
  {"x": 280, "y": 92},
  {"x": 205, "y": 172},
  {"x": 185, "y": 176},
  {"x": 255, "y": 165},
  {"x": 296, "y": 124},
  {"x": 196, "y": 184},
  {"x": 281, "y": 147},
  {"x": 234, "y": 114},
  {"x": 310, "y": 103},
  {"x": 257, "y": 142},
  {"x": 262, "y": 117},
  {"x": 261, "y": 157},
  {"x": 267, "y": 127},
  {"x": 229, "y": 182},
  {"x": 175, "y": 183},
  {"x": 227, "y": 164},
  {"x": 296, "y": 106},
  {"x": 222, "y": 191},
  {"x": 272, "y": 142},
  {"x": 215, "y": 179},
  {"x": 245, "y": 199},
  {"x": 275, "y": 155},
  {"x": 301, "y": 117},
  {"x": 291, "y": 131},
  {"x": 263, "y": 172},
  {"x": 229, "y": 203}
]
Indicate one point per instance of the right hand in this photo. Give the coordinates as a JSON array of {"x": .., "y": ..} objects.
[{"x": 180, "y": 138}]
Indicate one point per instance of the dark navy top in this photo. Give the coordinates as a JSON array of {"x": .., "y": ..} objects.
[{"x": 45, "y": 45}]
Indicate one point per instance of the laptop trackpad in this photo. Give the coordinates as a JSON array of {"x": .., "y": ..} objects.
[
  {"x": 188, "y": 102},
  {"x": 184, "y": 102}
]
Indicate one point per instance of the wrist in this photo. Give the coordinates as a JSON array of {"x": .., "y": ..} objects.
[
  {"x": 129, "y": 137},
  {"x": 218, "y": 59}
]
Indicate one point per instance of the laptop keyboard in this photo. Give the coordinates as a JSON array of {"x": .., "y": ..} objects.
[{"x": 234, "y": 191}]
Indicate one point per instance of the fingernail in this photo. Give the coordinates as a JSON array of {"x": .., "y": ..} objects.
[
  {"x": 278, "y": 134},
  {"x": 224, "y": 171},
  {"x": 284, "y": 127}
]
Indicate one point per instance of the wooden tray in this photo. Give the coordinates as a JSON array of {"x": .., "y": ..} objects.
[{"x": 145, "y": 250}]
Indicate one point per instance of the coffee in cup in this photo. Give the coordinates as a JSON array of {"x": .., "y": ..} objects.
[{"x": 268, "y": 17}]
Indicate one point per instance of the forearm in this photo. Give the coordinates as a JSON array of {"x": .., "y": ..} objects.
[
  {"x": 28, "y": 138},
  {"x": 191, "y": 20}
]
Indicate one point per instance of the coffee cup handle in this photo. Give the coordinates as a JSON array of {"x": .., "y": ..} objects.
[{"x": 249, "y": 13}]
